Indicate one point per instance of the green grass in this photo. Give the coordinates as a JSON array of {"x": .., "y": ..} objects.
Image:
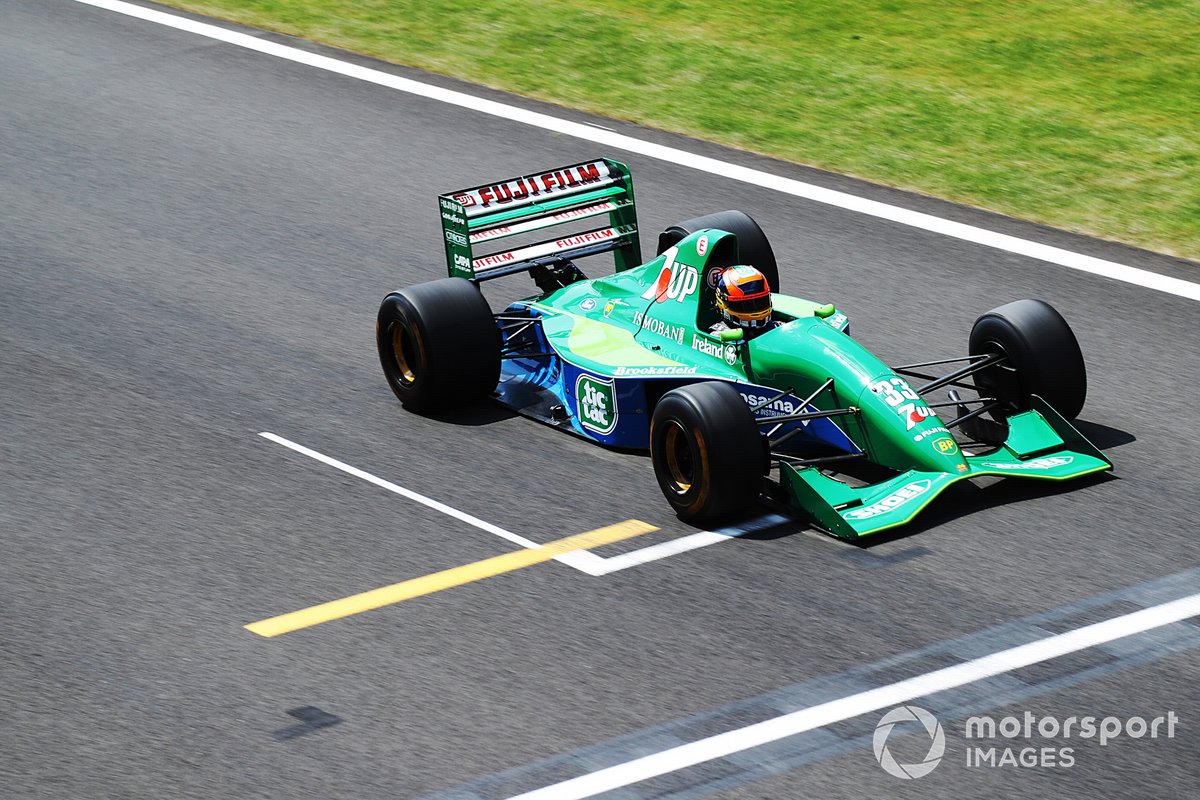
[{"x": 1083, "y": 114}]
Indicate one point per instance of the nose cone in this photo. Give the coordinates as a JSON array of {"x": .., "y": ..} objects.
[{"x": 913, "y": 436}]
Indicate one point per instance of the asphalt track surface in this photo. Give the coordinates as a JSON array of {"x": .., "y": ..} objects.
[{"x": 193, "y": 243}]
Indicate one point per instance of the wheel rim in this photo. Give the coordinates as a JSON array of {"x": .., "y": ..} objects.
[
  {"x": 678, "y": 452},
  {"x": 404, "y": 352}
]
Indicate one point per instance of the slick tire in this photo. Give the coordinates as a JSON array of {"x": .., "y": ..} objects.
[
  {"x": 1043, "y": 357},
  {"x": 753, "y": 247},
  {"x": 438, "y": 344},
  {"x": 708, "y": 455}
]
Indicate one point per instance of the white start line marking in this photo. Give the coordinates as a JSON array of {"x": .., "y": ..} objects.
[
  {"x": 672, "y": 155},
  {"x": 582, "y": 560}
]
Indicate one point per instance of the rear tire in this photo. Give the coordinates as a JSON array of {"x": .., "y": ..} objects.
[
  {"x": 753, "y": 247},
  {"x": 1043, "y": 357},
  {"x": 708, "y": 455},
  {"x": 438, "y": 344}
]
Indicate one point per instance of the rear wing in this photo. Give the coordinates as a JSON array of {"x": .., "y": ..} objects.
[{"x": 472, "y": 219}]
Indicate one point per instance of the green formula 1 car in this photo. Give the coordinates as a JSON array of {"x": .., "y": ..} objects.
[{"x": 637, "y": 359}]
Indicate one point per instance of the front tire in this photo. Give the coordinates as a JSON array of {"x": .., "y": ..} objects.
[
  {"x": 1043, "y": 357},
  {"x": 438, "y": 344},
  {"x": 708, "y": 456}
]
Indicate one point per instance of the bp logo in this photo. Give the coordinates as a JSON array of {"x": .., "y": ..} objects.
[
  {"x": 937, "y": 742},
  {"x": 945, "y": 445},
  {"x": 597, "y": 403}
]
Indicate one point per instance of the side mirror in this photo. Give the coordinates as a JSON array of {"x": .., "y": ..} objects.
[{"x": 731, "y": 335}]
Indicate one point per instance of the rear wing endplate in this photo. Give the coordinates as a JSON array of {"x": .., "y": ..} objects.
[{"x": 472, "y": 219}]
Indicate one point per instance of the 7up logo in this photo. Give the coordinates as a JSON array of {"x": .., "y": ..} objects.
[
  {"x": 674, "y": 281},
  {"x": 597, "y": 403}
]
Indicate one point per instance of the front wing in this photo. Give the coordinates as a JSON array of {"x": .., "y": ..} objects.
[{"x": 1040, "y": 444}]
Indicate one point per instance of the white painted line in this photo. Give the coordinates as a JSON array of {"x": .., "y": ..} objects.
[
  {"x": 582, "y": 560},
  {"x": 589, "y": 562},
  {"x": 818, "y": 716},
  {"x": 686, "y": 543},
  {"x": 598, "y": 135},
  {"x": 662, "y": 550}
]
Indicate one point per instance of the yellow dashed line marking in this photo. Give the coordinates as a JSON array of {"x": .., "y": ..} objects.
[{"x": 446, "y": 579}]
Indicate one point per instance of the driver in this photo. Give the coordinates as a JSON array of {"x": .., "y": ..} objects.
[{"x": 744, "y": 301}]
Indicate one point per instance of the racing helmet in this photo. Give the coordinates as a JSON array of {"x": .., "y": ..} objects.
[{"x": 744, "y": 297}]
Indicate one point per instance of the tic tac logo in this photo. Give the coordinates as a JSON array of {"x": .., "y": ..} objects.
[
  {"x": 674, "y": 281},
  {"x": 596, "y": 399}
]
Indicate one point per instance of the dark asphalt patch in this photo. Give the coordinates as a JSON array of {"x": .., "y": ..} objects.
[{"x": 311, "y": 719}]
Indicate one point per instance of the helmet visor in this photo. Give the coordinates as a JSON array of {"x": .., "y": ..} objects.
[{"x": 749, "y": 307}]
